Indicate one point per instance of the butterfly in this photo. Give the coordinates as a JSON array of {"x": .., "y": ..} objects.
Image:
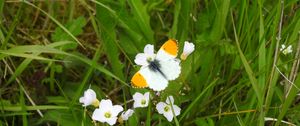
[{"x": 159, "y": 69}]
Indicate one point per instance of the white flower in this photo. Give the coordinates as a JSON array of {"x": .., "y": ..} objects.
[
  {"x": 144, "y": 58},
  {"x": 107, "y": 112},
  {"x": 187, "y": 50},
  {"x": 126, "y": 114},
  {"x": 89, "y": 98},
  {"x": 140, "y": 100},
  {"x": 285, "y": 50},
  {"x": 165, "y": 108}
]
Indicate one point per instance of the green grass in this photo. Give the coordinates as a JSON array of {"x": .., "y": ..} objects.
[{"x": 52, "y": 51}]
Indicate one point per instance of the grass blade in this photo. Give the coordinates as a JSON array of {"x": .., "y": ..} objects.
[
  {"x": 197, "y": 99},
  {"x": 248, "y": 69},
  {"x": 57, "y": 22}
]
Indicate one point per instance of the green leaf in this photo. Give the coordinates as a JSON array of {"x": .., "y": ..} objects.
[
  {"x": 201, "y": 122},
  {"x": 33, "y": 108},
  {"x": 75, "y": 27},
  {"x": 108, "y": 36},
  {"x": 289, "y": 100},
  {"x": 64, "y": 118},
  {"x": 219, "y": 20},
  {"x": 142, "y": 19},
  {"x": 21, "y": 51}
]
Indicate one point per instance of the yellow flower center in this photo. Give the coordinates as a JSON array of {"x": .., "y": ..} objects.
[
  {"x": 149, "y": 59},
  {"x": 95, "y": 103},
  {"x": 107, "y": 115},
  {"x": 183, "y": 56},
  {"x": 166, "y": 108},
  {"x": 143, "y": 102}
]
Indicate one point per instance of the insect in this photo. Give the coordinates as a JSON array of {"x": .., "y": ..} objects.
[{"x": 159, "y": 70}]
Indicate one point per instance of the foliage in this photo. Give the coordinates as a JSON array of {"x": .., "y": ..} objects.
[{"x": 51, "y": 51}]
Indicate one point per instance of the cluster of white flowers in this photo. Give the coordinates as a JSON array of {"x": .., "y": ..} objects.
[
  {"x": 108, "y": 113},
  {"x": 166, "y": 108}
]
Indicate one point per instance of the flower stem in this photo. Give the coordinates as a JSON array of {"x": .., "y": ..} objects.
[
  {"x": 148, "y": 121},
  {"x": 175, "y": 118}
]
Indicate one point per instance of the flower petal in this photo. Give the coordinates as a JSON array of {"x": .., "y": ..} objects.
[
  {"x": 289, "y": 49},
  {"x": 169, "y": 115},
  {"x": 98, "y": 115},
  {"x": 187, "y": 50},
  {"x": 160, "y": 107},
  {"x": 149, "y": 49},
  {"x": 91, "y": 93},
  {"x": 176, "y": 110},
  {"x": 105, "y": 104},
  {"x": 81, "y": 100},
  {"x": 188, "y": 47},
  {"x": 116, "y": 109},
  {"x": 282, "y": 47},
  {"x": 146, "y": 97},
  {"x": 170, "y": 98},
  {"x": 111, "y": 121},
  {"x": 137, "y": 96},
  {"x": 141, "y": 59},
  {"x": 137, "y": 104},
  {"x": 88, "y": 97},
  {"x": 125, "y": 115}
]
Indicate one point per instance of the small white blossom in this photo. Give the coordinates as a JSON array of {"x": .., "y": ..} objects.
[
  {"x": 285, "y": 50},
  {"x": 89, "y": 98},
  {"x": 165, "y": 108},
  {"x": 140, "y": 100},
  {"x": 187, "y": 50},
  {"x": 107, "y": 112},
  {"x": 126, "y": 114},
  {"x": 144, "y": 58}
]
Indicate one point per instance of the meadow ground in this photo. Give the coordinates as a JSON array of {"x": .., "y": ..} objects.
[{"x": 52, "y": 51}]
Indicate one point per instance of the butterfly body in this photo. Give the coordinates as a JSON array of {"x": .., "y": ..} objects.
[{"x": 155, "y": 66}]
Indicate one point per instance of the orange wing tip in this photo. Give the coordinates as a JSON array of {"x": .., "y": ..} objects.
[
  {"x": 171, "y": 47},
  {"x": 138, "y": 87},
  {"x": 175, "y": 40},
  {"x": 138, "y": 81}
]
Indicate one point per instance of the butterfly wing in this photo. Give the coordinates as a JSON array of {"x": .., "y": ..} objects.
[
  {"x": 149, "y": 78},
  {"x": 168, "y": 50},
  {"x": 171, "y": 68},
  {"x": 166, "y": 56},
  {"x": 138, "y": 80}
]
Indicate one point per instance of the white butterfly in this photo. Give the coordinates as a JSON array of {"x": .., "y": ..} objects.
[{"x": 157, "y": 70}]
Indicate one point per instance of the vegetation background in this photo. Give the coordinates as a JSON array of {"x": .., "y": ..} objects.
[{"x": 53, "y": 50}]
